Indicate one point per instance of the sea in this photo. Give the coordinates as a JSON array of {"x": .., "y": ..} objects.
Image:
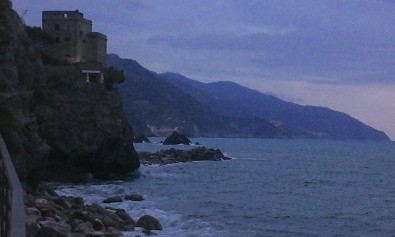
[{"x": 269, "y": 188}]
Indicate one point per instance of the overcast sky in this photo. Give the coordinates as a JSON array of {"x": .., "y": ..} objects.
[{"x": 338, "y": 54}]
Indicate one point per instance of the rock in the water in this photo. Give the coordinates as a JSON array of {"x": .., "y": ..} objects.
[
  {"x": 141, "y": 138},
  {"x": 113, "y": 199},
  {"x": 149, "y": 223},
  {"x": 112, "y": 232},
  {"x": 171, "y": 156},
  {"x": 134, "y": 197},
  {"x": 176, "y": 138}
]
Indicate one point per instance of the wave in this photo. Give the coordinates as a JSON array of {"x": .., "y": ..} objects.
[
  {"x": 174, "y": 224},
  {"x": 246, "y": 158}
]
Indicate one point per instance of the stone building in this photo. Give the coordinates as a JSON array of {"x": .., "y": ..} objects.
[{"x": 74, "y": 41}]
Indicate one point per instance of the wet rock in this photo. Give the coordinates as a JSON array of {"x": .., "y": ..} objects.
[
  {"x": 149, "y": 223},
  {"x": 176, "y": 138},
  {"x": 32, "y": 211},
  {"x": 32, "y": 228},
  {"x": 134, "y": 197},
  {"x": 83, "y": 227},
  {"x": 124, "y": 216},
  {"x": 67, "y": 216},
  {"x": 171, "y": 156},
  {"x": 97, "y": 224},
  {"x": 57, "y": 228},
  {"x": 141, "y": 139},
  {"x": 46, "y": 232},
  {"x": 81, "y": 215},
  {"x": 42, "y": 203},
  {"x": 113, "y": 199},
  {"x": 33, "y": 216},
  {"x": 112, "y": 232},
  {"x": 96, "y": 208}
]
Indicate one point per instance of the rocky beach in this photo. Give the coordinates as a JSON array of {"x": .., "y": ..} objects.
[{"x": 49, "y": 214}]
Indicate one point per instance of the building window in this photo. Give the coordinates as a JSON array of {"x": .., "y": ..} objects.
[
  {"x": 57, "y": 40},
  {"x": 67, "y": 38},
  {"x": 57, "y": 26},
  {"x": 65, "y": 15}
]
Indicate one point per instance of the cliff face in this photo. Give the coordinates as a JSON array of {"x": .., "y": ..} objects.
[
  {"x": 84, "y": 126},
  {"x": 20, "y": 74},
  {"x": 55, "y": 125}
]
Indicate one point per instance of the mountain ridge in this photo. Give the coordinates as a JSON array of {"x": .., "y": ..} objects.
[
  {"x": 299, "y": 121},
  {"x": 157, "y": 104},
  {"x": 157, "y": 108}
]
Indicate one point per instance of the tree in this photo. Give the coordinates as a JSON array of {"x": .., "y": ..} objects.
[{"x": 111, "y": 76}]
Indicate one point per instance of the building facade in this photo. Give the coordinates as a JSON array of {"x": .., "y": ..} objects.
[{"x": 74, "y": 41}]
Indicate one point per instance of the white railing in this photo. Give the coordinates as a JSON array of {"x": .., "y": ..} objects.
[{"x": 12, "y": 212}]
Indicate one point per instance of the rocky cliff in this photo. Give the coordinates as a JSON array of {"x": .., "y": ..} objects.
[
  {"x": 55, "y": 125},
  {"x": 21, "y": 72}
]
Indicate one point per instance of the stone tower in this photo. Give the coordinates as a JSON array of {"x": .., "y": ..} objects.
[{"x": 74, "y": 41}]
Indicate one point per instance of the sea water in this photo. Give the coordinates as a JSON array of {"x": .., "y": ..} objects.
[{"x": 269, "y": 188}]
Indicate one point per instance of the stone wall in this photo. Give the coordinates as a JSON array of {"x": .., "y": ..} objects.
[{"x": 74, "y": 40}]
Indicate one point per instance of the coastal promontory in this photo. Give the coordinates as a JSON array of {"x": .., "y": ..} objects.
[{"x": 56, "y": 124}]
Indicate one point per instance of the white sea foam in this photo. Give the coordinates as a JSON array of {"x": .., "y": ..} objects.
[{"x": 174, "y": 224}]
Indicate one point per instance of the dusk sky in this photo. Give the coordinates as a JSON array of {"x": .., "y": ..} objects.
[{"x": 337, "y": 54}]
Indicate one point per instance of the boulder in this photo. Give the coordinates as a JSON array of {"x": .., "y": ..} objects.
[
  {"x": 57, "y": 228},
  {"x": 116, "y": 218},
  {"x": 97, "y": 224},
  {"x": 69, "y": 202},
  {"x": 112, "y": 232},
  {"x": 134, "y": 197},
  {"x": 44, "y": 204},
  {"x": 32, "y": 228},
  {"x": 33, "y": 216},
  {"x": 149, "y": 223},
  {"x": 81, "y": 215},
  {"x": 113, "y": 199},
  {"x": 83, "y": 227},
  {"x": 176, "y": 138},
  {"x": 58, "y": 216},
  {"x": 141, "y": 139}
]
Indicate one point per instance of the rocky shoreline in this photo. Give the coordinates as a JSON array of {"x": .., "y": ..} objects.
[{"x": 51, "y": 215}]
